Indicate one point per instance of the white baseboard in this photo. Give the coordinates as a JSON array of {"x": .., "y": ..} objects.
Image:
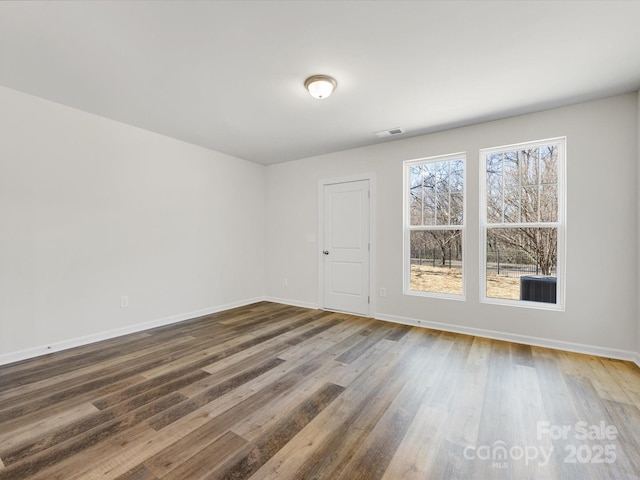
[
  {"x": 293, "y": 303},
  {"x": 118, "y": 332},
  {"x": 516, "y": 338},
  {"x": 528, "y": 340}
]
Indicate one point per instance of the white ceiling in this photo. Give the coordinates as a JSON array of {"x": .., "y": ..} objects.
[{"x": 229, "y": 75}]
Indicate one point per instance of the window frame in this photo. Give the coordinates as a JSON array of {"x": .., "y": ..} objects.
[
  {"x": 408, "y": 228},
  {"x": 560, "y": 224}
]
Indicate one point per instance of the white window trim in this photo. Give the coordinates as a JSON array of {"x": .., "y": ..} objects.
[
  {"x": 407, "y": 228},
  {"x": 561, "y": 225}
]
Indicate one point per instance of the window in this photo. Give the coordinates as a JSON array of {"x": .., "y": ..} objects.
[
  {"x": 434, "y": 194},
  {"x": 522, "y": 219}
]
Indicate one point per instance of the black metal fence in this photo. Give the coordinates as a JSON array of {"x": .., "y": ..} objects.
[
  {"x": 435, "y": 257},
  {"x": 505, "y": 262},
  {"x": 512, "y": 263}
]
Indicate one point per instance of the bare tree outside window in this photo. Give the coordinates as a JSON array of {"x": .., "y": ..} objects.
[
  {"x": 435, "y": 204},
  {"x": 521, "y": 217}
]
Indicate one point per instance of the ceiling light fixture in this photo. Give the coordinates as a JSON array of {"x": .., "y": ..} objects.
[{"x": 320, "y": 86}]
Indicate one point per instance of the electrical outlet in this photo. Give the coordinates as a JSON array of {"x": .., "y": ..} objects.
[
  {"x": 383, "y": 292},
  {"x": 285, "y": 281},
  {"x": 124, "y": 301}
]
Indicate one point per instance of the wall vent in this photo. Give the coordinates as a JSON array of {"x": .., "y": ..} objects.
[{"x": 389, "y": 133}]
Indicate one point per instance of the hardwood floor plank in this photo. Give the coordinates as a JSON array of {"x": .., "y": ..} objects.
[
  {"x": 372, "y": 459},
  {"x": 447, "y": 378},
  {"x": 200, "y": 465},
  {"x": 528, "y": 411},
  {"x": 120, "y": 410},
  {"x": 219, "y": 352},
  {"x": 218, "y": 422},
  {"x": 262, "y": 419},
  {"x": 318, "y": 344},
  {"x": 46, "y": 366},
  {"x": 625, "y": 374},
  {"x": 606, "y": 385},
  {"x": 326, "y": 324},
  {"x": 415, "y": 456},
  {"x": 11, "y": 438},
  {"x": 276, "y": 347},
  {"x": 155, "y": 387},
  {"x": 398, "y": 331},
  {"x": 113, "y": 456},
  {"x": 259, "y": 452},
  {"x": 625, "y": 441},
  {"x": 501, "y": 418},
  {"x": 191, "y": 404},
  {"x": 560, "y": 411},
  {"x": 138, "y": 473},
  {"x": 362, "y": 346},
  {"x": 314, "y": 368},
  {"x": 588, "y": 404},
  {"x": 468, "y": 404},
  {"x": 330, "y": 371},
  {"x": 244, "y": 360},
  {"x": 70, "y": 389},
  {"x": 272, "y": 391},
  {"x": 522, "y": 354},
  {"x": 46, "y": 457},
  {"x": 66, "y": 379},
  {"x": 265, "y": 310},
  {"x": 340, "y": 430},
  {"x": 184, "y": 450},
  {"x": 52, "y": 406},
  {"x": 266, "y": 389}
]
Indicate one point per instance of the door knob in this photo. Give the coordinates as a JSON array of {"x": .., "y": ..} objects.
[{"x": 326, "y": 252}]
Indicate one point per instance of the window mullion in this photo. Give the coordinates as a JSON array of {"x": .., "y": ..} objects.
[
  {"x": 424, "y": 196},
  {"x": 502, "y": 186},
  {"x": 538, "y": 160},
  {"x": 449, "y": 191},
  {"x": 520, "y": 186}
]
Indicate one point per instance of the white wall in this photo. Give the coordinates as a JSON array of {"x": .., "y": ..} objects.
[
  {"x": 92, "y": 209},
  {"x": 638, "y": 188},
  {"x": 602, "y": 279}
]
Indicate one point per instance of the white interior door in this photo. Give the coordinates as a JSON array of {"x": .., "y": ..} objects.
[{"x": 345, "y": 247}]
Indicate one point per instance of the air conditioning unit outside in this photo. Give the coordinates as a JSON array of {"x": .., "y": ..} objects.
[{"x": 536, "y": 288}]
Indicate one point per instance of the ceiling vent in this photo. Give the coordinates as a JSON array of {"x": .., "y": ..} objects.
[{"x": 389, "y": 133}]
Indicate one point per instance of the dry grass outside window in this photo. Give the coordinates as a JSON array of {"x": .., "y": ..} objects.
[{"x": 427, "y": 278}]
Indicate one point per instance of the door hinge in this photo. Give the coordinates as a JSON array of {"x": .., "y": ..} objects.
[
  {"x": 368, "y": 193},
  {"x": 369, "y": 247},
  {"x": 369, "y": 299}
]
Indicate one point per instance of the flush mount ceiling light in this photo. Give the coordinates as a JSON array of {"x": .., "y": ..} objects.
[{"x": 320, "y": 86}]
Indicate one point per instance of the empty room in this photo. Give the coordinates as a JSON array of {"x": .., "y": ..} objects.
[{"x": 319, "y": 240}]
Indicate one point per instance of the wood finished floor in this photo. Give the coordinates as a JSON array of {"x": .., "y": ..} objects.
[{"x": 274, "y": 391}]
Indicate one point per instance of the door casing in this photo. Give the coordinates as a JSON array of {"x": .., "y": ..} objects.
[{"x": 372, "y": 236}]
